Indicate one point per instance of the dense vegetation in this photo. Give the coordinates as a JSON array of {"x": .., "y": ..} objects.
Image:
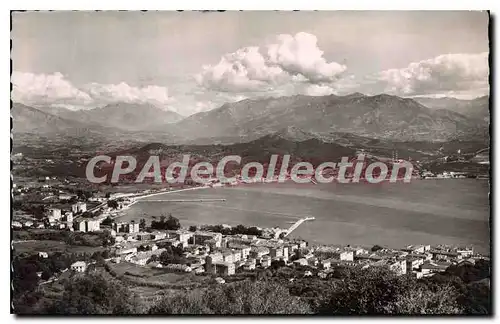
[
  {"x": 170, "y": 223},
  {"x": 25, "y": 270},
  {"x": 171, "y": 255},
  {"x": 93, "y": 293},
  {"x": 243, "y": 297},
  {"x": 463, "y": 289},
  {"x": 239, "y": 229}
]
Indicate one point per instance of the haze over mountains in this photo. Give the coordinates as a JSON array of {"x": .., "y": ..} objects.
[
  {"x": 477, "y": 108},
  {"x": 31, "y": 120},
  {"x": 296, "y": 118},
  {"x": 380, "y": 116},
  {"x": 126, "y": 116}
]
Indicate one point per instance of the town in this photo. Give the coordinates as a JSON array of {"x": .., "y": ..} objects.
[
  {"x": 218, "y": 162},
  {"x": 211, "y": 250}
]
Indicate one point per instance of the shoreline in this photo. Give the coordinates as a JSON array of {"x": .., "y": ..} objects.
[{"x": 136, "y": 199}]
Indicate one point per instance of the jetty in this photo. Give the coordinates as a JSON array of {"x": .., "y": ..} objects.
[
  {"x": 297, "y": 224},
  {"x": 185, "y": 200}
]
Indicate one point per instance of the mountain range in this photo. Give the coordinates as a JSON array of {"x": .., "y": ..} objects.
[
  {"x": 380, "y": 116},
  {"x": 478, "y": 108},
  {"x": 126, "y": 116},
  {"x": 31, "y": 120},
  {"x": 298, "y": 118}
]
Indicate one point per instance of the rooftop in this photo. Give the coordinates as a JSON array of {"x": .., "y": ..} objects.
[{"x": 79, "y": 264}]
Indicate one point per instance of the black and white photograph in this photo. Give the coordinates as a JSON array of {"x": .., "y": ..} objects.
[{"x": 211, "y": 162}]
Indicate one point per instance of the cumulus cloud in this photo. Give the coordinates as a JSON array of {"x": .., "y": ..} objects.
[
  {"x": 244, "y": 70},
  {"x": 318, "y": 90},
  {"x": 444, "y": 73},
  {"x": 122, "y": 92},
  {"x": 46, "y": 89},
  {"x": 287, "y": 59},
  {"x": 55, "y": 90},
  {"x": 343, "y": 86},
  {"x": 300, "y": 55}
]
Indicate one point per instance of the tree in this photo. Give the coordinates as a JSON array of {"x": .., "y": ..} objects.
[
  {"x": 193, "y": 228},
  {"x": 97, "y": 256},
  {"x": 93, "y": 293},
  {"x": 173, "y": 223},
  {"x": 181, "y": 303},
  {"x": 112, "y": 204},
  {"x": 421, "y": 300},
  {"x": 276, "y": 264},
  {"x": 239, "y": 229},
  {"x": 142, "y": 224},
  {"x": 254, "y": 231},
  {"x": 25, "y": 276},
  {"x": 375, "y": 248},
  {"x": 107, "y": 221},
  {"x": 172, "y": 255},
  {"x": 378, "y": 290},
  {"x": 105, "y": 254},
  {"x": 87, "y": 214},
  {"x": 29, "y": 303},
  {"x": 477, "y": 298},
  {"x": 83, "y": 194},
  {"x": 170, "y": 223},
  {"x": 47, "y": 274},
  {"x": 153, "y": 258},
  {"x": 246, "y": 297}
]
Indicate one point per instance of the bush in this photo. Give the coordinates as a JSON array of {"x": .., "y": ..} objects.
[
  {"x": 181, "y": 303},
  {"x": 170, "y": 223},
  {"x": 379, "y": 291},
  {"x": 107, "y": 221},
  {"x": 244, "y": 297},
  {"x": 93, "y": 293}
]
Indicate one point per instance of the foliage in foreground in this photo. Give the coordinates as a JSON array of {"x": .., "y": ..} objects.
[
  {"x": 244, "y": 297},
  {"x": 93, "y": 293},
  {"x": 380, "y": 291},
  {"x": 372, "y": 291}
]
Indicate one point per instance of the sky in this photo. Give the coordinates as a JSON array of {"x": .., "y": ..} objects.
[{"x": 190, "y": 62}]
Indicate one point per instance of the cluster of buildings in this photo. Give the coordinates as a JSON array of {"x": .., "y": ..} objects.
[
  {"x": 417, "y": 260},
  {"x": 58, "y": 218},
  {"x": 224, "y": 255},
  {"x": 209, "y": 252},
  {"x": 444, "y": 175},
  {"x": 62, "y": 218}
]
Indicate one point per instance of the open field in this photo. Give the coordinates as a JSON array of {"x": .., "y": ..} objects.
[
  {"x": 153, "y": 276},
  {"x": 52, "y": 246}
]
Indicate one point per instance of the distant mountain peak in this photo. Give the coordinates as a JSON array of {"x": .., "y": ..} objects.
[
  {"x": 354, "y": 95},
  {"x": 299, "y": 117}
]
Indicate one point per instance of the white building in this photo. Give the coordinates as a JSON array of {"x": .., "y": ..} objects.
[
  {"x": 54, "y": 214},
  {"x": 79, "y": 207},
  {"x": 17, "y": 224},
  {"x": 79, "y": 266},
  {"x": 88, "y": 226},
  {"x": 126, "y": 227}
]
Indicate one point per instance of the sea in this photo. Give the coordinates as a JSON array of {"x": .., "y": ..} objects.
[{"x": 437, "y": 211}]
